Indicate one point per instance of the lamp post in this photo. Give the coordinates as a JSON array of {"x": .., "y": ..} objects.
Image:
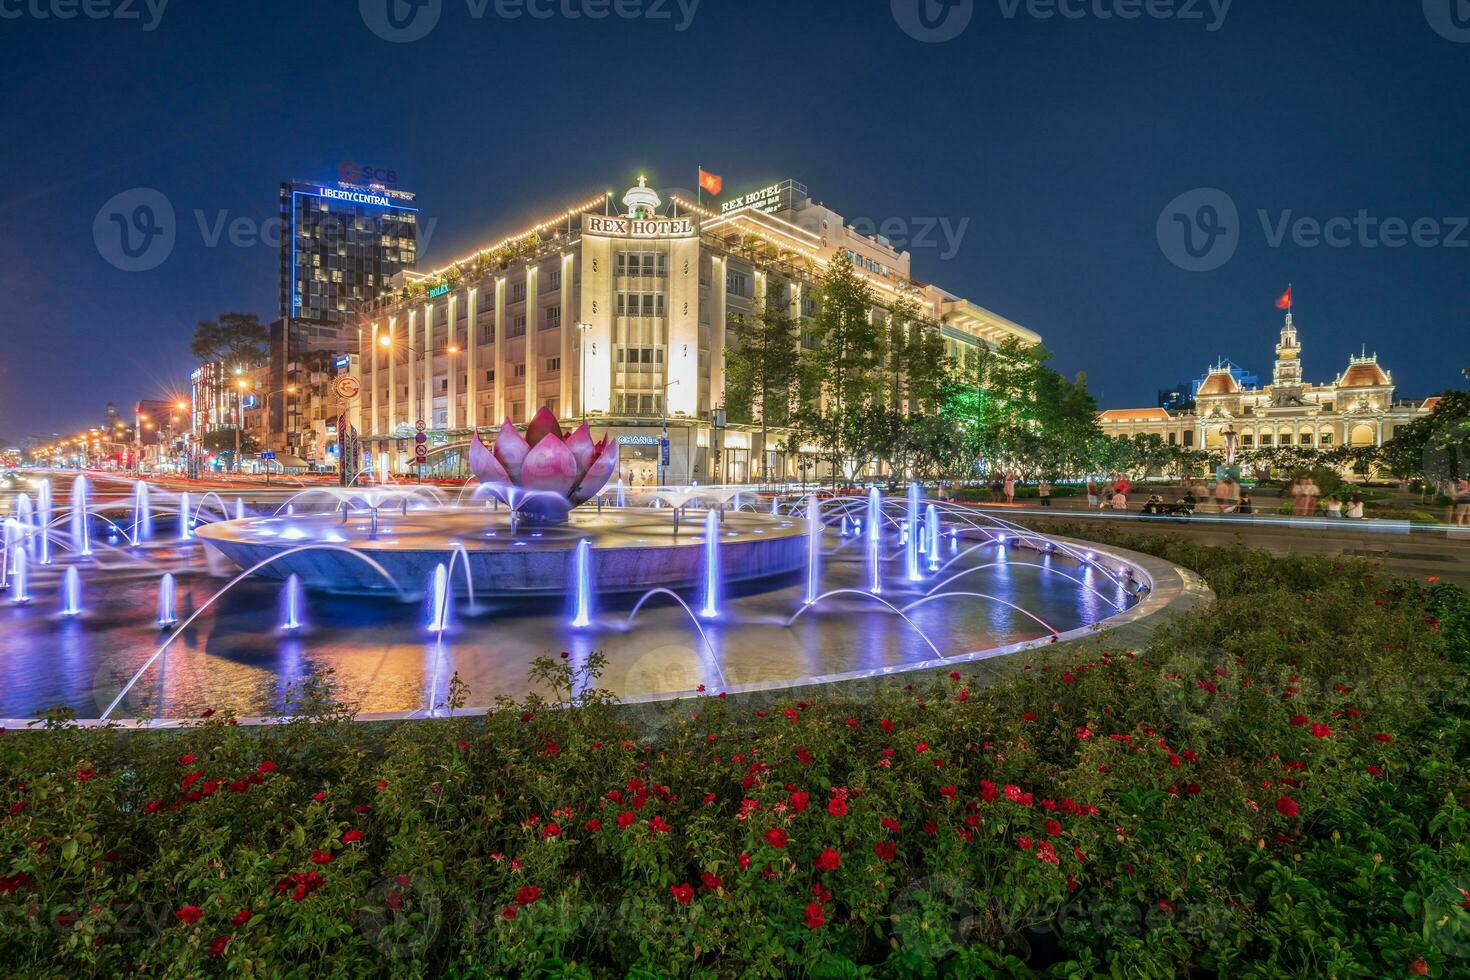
[
  {"x": 385, "y": 341},
  {"x": 664, "y": 438}
]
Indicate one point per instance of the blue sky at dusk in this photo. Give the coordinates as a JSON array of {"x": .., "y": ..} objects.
[{"x": 1040, "y": 155}]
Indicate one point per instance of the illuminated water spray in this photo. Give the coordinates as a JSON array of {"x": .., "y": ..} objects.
[
  {"x": 582, "y": 616},
  {"x": 166, "y": 615},
  {"x": 43, "y": 521},
  {"x": 439, "y": 600},
  {"x": 80, "y": 531},
  {"x": 142, "y": 514},
  {"x": 813, "y": 549},
  {"x": 622, "y": 493},
  {"x": 185, "y": 533},
  {"x": 931, "y": 527},
  {"x": 291, "y": 603},
  {"x": 239, "y": 509},
  {"x": 19, "y": 577},
  {"x": 911, "y": 552},
  {"x": 71, "y": 592},
  {"x": 875, "y": 558},
  {"x": 711, "y": 565}
]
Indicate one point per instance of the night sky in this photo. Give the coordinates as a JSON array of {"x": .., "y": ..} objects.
[{"x": 1055, "y": 144}]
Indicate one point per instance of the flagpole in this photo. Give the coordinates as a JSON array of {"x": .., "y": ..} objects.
[{"x": 699, "y": 186}]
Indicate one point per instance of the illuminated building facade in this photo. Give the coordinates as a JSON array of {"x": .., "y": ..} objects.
[{"x": 620, "y": 314}]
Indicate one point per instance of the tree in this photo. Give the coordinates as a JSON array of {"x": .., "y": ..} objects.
[
  {"x": 223, "y": 441},
  {"x": 1436, "y": 447},
  {"x": 234, "y": 339},
  {"x": 761, "y": 367}
]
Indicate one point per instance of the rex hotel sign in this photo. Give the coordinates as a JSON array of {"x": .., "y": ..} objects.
[{"x": 600, "y": 224}]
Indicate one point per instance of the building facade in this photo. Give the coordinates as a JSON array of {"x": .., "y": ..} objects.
[
  {"x": 1357, "y": 408},
  {"x": 342, "y": 244},
  {"x": 620, "y": 315}
]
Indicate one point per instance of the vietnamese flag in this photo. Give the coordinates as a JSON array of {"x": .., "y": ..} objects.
[
  {"x": 710, "y": 183},
  {"x": 1284, "y": 303}
]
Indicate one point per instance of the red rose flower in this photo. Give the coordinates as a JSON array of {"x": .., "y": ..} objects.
[
  {"x": 1287, "y": 807},
  {"x": 1384, "y": 737},
  {"x": 828, "y": 860},
  {"x": 187, "y": 758},
  {"x": 837, "y": 806},
  {"x": 241, "y": 917},
  {"x": 776, "y": 837},
  {"x": 352, "y": 837},
  {"x": 1320, "y": 730},
  {"x": 527, "y": 895},
  {"x": 814, "y": 916},
  {"x": 1298, "y": 721},
  {"x": 189, "y": 914},
  {"x": 683, "y": 894},
  {"x": 217, "y": 945},
  {"x": 709, "y": 881},
  {"x": 948, "y": 792},
  {"x": 592, "y": 826},
  {"x": 886, "y": 850},
  {"x": 321, "y": 857},
  {"x": 551, "y": 830},
  {"x": 266, "y": 767},
  {"x": 508, "y": 913},
  {"x": 799, "y": 801}
]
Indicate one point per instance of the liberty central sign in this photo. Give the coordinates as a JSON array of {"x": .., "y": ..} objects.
[{"x": 600, "y": 224}]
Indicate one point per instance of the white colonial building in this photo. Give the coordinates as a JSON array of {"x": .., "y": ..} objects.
[
  {"x": 620, "y": 315},
  {"x": 1357, "y": 408}
]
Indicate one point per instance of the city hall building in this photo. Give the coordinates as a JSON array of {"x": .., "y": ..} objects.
[
  {"x": 620, "y": 315},
  {"x": 1357, "y": 408}
]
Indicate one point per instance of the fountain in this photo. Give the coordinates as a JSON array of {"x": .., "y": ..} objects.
[
  {"x": 711, "y": 607},
  {"x": 931, "y": 525},
  {"x": 43, "y": 521},
  {"x": 813, "y": 548},
  {"x": 184, "y": 521},
  {"x": 439, "y": 600},
  {"x": 166, "y": 616},
  {"x": 875, "y": 540},
  {"x": 911, "y": 552},
  {"x": 19, "y": 592},
  {"x": 142, "y": 515},
  {"x": 239, "y": 509},
  {"x": 291, "y": 604},
  {"x": 71, "y": 592},
  {"x": 582, "y": 617},
  {"x": 81, "y": 533},
  {"x": 7, "y": 556}
]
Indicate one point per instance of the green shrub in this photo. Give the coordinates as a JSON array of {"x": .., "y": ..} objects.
[{"x": 1148, "y": 813}]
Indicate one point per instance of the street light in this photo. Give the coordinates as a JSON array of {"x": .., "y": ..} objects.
[{"x": 664, "y": 439}]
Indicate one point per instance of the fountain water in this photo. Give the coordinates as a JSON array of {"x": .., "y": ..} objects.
[
  {"x": 911, "y": 553},
  {"x": 80, "y": 530},
  {"x": 19, "y": 593},
  {"x": 813, "y": 548},
  {"x": 583, "y": 614},
  {"x": 439, "y": 600},
  {"x": 931, "y": 525},
  {"x": 43, "y": 521},
  {"x": 142, "y": 515},
  {"x": 239, "y": 509},
  {"x": 875, "y": 540},
  {"x": 25, "y": 512},
  {"x": 184, "y": 523},
  {"x": 842, "y": 528},
  {"x": 71, "y": 591},
  {"x": 954, "y": 540},
  {"x": 291, "y": 603},
  {"x": 775, "y": 506},
  {"x": 7, "y": 558},
  {"x": 166, "y": 617},
  {"x": 711, "y": 565},
  {"x": 622, "y": 494}
]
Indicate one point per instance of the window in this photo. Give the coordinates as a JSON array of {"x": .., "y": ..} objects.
[
  {"x": 1306, "y": 439},
  {"x": 641, "y": 264},
  {"x": 1247, "y": 440},
  {"x": 640, "y": 304},
  {"x": 517, "y": 292},
  {"x": 443, "y": 384},
  {"x": 520, "y": 371},
  {"x": 1265, "y": 438},
  {"x": 489, "y": 377},
  {"x": 737, "y": 284},
  {"x": 553, "y": 317},
  {"x": 553, "y": 281},
  {"x": 553, "y": 365},
  {"x": 1174, "y": 438},
  {"x": 517, "y": 326},
  {"x": 1188, "y": 439},
  {"x": 1326, "y": 439}
]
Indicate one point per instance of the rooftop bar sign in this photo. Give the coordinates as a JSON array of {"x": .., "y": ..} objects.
[
  {"x": 600, "y": 224},
  {"x": 767, "y": 199}
]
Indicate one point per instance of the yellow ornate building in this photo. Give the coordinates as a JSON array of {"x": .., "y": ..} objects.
[{"x": 1357, "y": 408}]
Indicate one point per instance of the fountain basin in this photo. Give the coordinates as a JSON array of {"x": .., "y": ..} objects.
[{"x": 630, "y": 550}]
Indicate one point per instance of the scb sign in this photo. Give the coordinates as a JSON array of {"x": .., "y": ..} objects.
[{"x": 360, "y": 173}]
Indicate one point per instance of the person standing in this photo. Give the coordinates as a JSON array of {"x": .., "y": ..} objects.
[
  {"x": 1462, "y": 503},
  {"x": 1092, "y": 501},
  {"x": 1043, "y": 490},
  {"x": 1010, "y": 487},
  {"x": 1334, "y": 507},
  {"x": 1355, "y": 507},
  {"x": 1310, "y": 493},
  {"x": 1298, "y": 497}
]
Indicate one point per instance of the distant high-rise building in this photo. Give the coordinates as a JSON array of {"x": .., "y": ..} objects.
[{"x": 341, "y": 245}]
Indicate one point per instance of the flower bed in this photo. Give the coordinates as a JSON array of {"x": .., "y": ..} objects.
[{"x": 1272, "y": 787}]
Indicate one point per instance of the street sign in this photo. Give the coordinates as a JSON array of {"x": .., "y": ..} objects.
[
  {"x": 420, "y": 425},
  {"x": 346, "y": 386},
  {"x": 421, "y": 438},
  {"x": 663, "y": 452},
  {"x": 267, "y": 455},
  {"x": 421, "y": 452}
]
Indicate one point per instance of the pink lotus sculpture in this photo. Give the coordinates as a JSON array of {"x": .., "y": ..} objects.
[{"x": 556, "y": 472}]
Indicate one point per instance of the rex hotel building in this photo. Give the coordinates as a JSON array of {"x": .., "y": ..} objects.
[{"x": 620, "y": 315}]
